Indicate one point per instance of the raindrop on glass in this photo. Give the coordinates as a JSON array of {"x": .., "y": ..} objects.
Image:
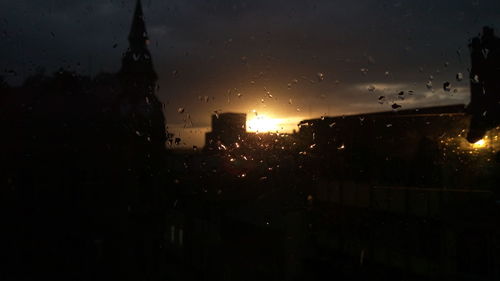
[
  {"x": 447, "y": 86},
  {"x": 320, "y": 76},
  {"x": 395, "y": 106}
]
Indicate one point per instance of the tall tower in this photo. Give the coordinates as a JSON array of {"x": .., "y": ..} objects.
[
  {"x": 139, "y": 105},
  {"x": 136, "y": 62}
]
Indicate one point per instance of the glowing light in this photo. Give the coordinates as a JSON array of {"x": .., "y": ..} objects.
[
  {"x": 479, "y": 144},
  {"x": 263, "y": 123}
]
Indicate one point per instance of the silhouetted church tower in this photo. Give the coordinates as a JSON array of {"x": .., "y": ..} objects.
[
  {"x": 137, "y": 63},
  {"x": 139, "y": 106}
]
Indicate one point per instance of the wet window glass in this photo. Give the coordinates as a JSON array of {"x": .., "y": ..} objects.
[{"x": 250, "y": 140}]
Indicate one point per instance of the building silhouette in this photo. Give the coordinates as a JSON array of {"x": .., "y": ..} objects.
[
  {"x": 484, "y": 104},
  {"x": 82, "y": 157},
  {"x": 227, "y": 128},
  {"x": 138, "y": 102}
]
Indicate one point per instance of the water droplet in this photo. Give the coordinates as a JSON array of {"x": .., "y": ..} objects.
[
  {"x": 459, "y": 76},
  {"x": 371, "y": 88},
  {"x": 429, "y": 84},
  {"x": 320, "y": 76},
  {"x": 395, "y": 106},
  {"x": 447, "y": 86},
  {"x": 180, "y": 110},
  {"x": 268, "y": 93},
  {"x": 381, "y": 99},
  {"x": 485, "y": 52}
]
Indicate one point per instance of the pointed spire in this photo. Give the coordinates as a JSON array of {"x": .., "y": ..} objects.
[
  {"x": 136, "y": 61},
  {"x": 138, "y": 36}
]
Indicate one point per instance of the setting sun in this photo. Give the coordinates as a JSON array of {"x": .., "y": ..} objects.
[
  {"x": 479, "y": 144},
  {"x": 263, "y": 123}
]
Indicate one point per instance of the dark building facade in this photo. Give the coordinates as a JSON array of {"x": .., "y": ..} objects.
[
  {"x": 484, "y": 104},
  {"x": 81, "y": 164},
  {"x": 227, "y": 128},
  {"x": 403, "y": 193},
  {"x": 138, "y": 102}
]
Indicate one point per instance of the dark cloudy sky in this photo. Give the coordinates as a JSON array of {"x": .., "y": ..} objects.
[{"x": 222, "y": 48}]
